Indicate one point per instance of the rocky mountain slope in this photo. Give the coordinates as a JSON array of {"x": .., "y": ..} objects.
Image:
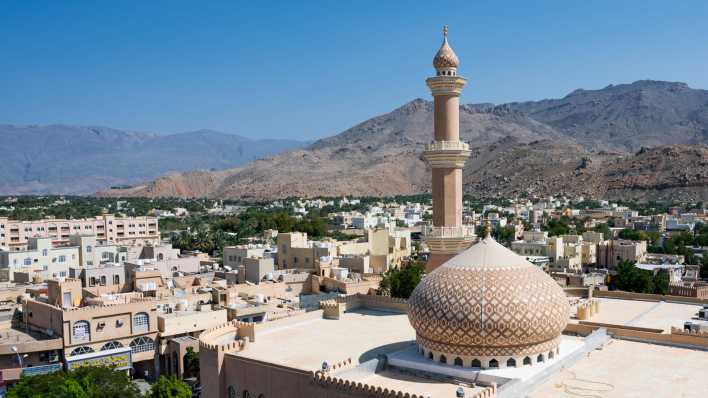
[
  {"x": 72, "y": 159},
  {"x": 587, "y": 143},
  {"x": 645, "y": 113}
]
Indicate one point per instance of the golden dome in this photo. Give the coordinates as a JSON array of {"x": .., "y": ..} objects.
[
  {"x": 488, "y": 303},
  {"x": 445, "y": 57}
]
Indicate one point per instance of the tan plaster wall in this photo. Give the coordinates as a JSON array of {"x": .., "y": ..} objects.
[{"x": 447, "y": 118}]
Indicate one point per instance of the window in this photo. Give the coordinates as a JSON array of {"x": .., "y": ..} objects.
[
  {"x": 89, "y": 249},
  {"x": 81, "y": 350},
  {"x": 493, "y": 363},
  {"x": 511, "y": 362},
  {"x": 81, "y": 330},
  {"x": 476, "y": 363},
  {"x": 232, "y": 392},
  {"x": 458, "y": 361},
  {"x": 111, "y": 345},
  {"x": 27, "y": 262},
  {"x": 45, "y": 252},
  {"x": 62, "y": 259},
  {"x": 141, "y": 322},
  {"x": 160, "y": 257},
  {"x": 103, "y": 280},
  {"x": 92, "y": 281},
  {"x": 142, "y": 344},
  {"x": 116, "y": 279}
]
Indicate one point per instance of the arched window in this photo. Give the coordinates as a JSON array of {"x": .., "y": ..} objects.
[
  {"x": 103, "y": 280},
  {"x": 493, "y": 363},
  {"x": 443, "y": 359},
  {"x": 550, "y": 354},
  {"x": 540, "y": 358},
  {"x": 111, "y": 345},
  {"x": 232, "y": 392},
  {"x": 511, "y": 362},
  {"x": 81, "y": 330},
  {"x": 430, "y": 355},
  {"x": 142, "y": 344},
  {"x": 81, "y": 350},
  {"x": 527, "y": 361},
  {"x": 476, "y": 363},
  {"x": 458, "y": 361},
  {"x": 160, "y": 257},
  {"x": 246, "y": 394},
  {"x": 141, "y": 322},
  {"x": 261, "y": 396}
]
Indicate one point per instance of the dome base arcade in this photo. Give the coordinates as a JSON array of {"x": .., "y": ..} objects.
[{"x": 485, "y": 357}]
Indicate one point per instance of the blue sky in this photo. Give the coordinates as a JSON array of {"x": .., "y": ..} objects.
[{"x": 303, "y": 71}]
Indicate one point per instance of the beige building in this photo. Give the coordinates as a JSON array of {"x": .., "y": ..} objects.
[
  {"x": 235, "y": 255},
  {"x": 385, "y": 248},
  {"x": 129, "y": 324},
  {"x": 15, "y": 235},
  {"x": 611, "y": 252}
]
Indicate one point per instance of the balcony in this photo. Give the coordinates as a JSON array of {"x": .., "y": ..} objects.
[
  {"x": 449, "y": 232},
  {"x": 447, "y": 145},
  {"x": 448, "y": 240},
  {"x": 446, "y": 154}
]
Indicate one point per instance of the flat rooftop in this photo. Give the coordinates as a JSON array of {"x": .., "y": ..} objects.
[
  {"x": 647, "y": 314},
  {"x": 361, "y": 335},
  {"x": 624, "y": 369}
]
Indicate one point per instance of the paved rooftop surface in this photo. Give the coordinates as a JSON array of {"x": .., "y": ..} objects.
[
  {"x": 626, "y": 369},
  {"x": 395, "y": 380},
  {"x": 360, "y": 335},
  {"x": 648, "y": 314}
]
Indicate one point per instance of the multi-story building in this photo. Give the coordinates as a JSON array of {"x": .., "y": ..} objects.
[
  {"x": 122, "y": 333},
  {"x": 611, "y": 252},
  {"x": 235, "y": 255},
  {"x": 384, "y": 246},
  {"x": 15, "y": 235},
  {"x": 40, "y": 258}
]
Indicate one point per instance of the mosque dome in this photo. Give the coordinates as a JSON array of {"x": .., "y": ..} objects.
[
  {"x": 445, "y": 57},
  {"x": 488, "y": 307}
]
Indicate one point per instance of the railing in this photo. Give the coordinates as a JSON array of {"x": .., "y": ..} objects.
[
  {"x": 445, "y": 145},
  {"x": 448, "y": 232}
]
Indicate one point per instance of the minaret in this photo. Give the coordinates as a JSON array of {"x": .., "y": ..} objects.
[{"x": 446, "y": 156}]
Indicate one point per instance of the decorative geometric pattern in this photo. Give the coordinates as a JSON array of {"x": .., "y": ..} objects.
[
  {"x": 474, "y": 306},
  {"x": 445, "y": 57}
]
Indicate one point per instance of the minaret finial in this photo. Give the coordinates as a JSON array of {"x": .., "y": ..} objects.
[
  {"x": 487, "y": 228},
  {"x": 445, "y": 31}
]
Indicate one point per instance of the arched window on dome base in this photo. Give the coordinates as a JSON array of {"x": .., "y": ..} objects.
[
  {"x": 540, "y": 358},
  {"x": 550, "y": 355},
  {"x": 527, "y": 361},
  {"x": 430, "y": 355},
  {"x": 458, "y": 361},
  {"x": 511, "y": 363},
  {"x": 476, "y": 363},
  {"x": 443, "y": 359},
  {"x": 493, "y": 363}
]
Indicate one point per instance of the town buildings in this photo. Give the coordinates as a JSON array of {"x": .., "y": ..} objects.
[{"x": 15, "y": 235}]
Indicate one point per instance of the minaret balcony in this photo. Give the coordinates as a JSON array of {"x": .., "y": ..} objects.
[
  {"x": 446, "y": 154},
  {"x": 450, "y": 240},
  {"x": 447, "y": 146}
]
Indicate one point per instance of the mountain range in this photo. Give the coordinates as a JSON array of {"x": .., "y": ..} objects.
[
  {"x": 644, "y": 140},
  {"x": 82, "y": 160}
]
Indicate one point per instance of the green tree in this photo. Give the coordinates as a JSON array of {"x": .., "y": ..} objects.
[
  {"x": 169, "y": 387},
  {"x": 400, "y": 282},
  {"x": 85, "y": 382},
  {"x": 191, "y": 362}
]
